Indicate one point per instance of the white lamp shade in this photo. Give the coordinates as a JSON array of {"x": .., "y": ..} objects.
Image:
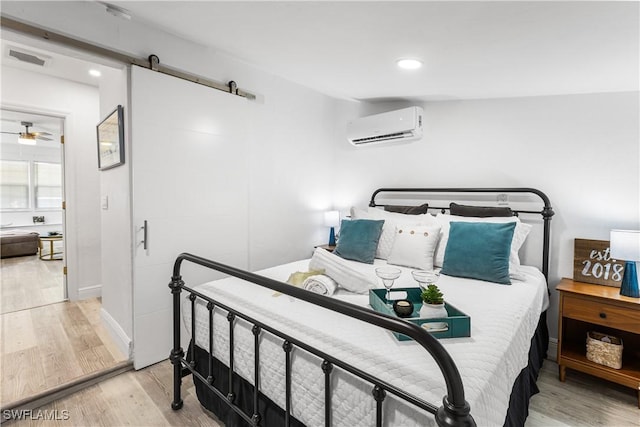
[
  {"x": 332, "y": 218},
  {"x": 625, "y": 245}
]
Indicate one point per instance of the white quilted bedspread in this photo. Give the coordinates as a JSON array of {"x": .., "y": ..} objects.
[{"x": 503, "y": 320}]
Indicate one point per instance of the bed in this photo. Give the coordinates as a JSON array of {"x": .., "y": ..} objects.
[{"x": 321, "y": 360}]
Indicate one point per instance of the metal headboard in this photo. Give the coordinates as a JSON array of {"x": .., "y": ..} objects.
[{"x": 546, "y": 212}]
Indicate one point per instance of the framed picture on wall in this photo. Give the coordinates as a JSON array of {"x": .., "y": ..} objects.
[{"x": 111, "y": 140}]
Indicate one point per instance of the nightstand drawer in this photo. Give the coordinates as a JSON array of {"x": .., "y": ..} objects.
[{"x": 594, "y": 311}]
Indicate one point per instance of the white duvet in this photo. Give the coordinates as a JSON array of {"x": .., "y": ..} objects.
[{"x": 503, "y": 321}]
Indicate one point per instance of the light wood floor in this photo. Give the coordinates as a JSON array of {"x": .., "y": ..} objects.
[
  {"x": 28, "y": 281},
  {"x": 143, "y": 398},
  {"x": 581, "y": 400},
  {"x": 135, "y": 398},
  {"x": 48, "y": 346}
]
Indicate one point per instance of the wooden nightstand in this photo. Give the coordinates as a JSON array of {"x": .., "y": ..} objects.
[
  {"x": 585, "y": 307},
  {"x": 329, "y": 248}
]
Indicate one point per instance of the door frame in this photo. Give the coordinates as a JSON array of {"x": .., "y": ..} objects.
[{"x": 63, "y": 117}]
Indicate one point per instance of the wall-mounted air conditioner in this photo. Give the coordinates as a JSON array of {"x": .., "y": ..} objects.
[{"x": 393, "y": 126}]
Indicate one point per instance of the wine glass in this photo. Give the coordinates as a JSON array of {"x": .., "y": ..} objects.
[
  {"x": 388, "y": 275},
  {"x": 425, "y": 278}
]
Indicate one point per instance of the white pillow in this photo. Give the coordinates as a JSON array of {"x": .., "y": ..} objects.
[
  {"x": 357, "y": 213},
  {"x": 414, "y": 246},
  {"x": 519, "y": 236},
  {"x": 391, "y": 220}
]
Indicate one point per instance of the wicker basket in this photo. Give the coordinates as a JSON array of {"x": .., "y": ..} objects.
[{"x": 604, "y": 349}]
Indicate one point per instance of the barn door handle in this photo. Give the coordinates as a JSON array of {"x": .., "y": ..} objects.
[{"x": 144, "y": 235}]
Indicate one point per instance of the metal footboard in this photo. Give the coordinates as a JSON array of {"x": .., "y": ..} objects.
[{"x": 454, "y": 411}]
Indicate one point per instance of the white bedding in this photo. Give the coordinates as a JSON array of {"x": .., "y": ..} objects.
[{"x": 503, "y": 321}]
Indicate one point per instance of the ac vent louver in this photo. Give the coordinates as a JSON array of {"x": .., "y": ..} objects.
[
  {"x": 398, "y": 135},
  {"x": 27, "y": 57}
]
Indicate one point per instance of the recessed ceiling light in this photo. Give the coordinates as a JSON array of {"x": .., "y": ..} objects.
[
  {"x": 409, "y": 64},
  {"x": 95, "y": 73}
]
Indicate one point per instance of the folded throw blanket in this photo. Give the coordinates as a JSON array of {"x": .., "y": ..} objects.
[
  {"x": 299, "y": 277},
  {"x": 346, "y": 273},
  {"x": 320, "y": 284}
]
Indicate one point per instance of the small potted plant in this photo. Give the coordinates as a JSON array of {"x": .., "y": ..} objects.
[{"x": 432, "y": 303}]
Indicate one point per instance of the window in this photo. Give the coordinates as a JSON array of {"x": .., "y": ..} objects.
[
  {"x": 48, "y": 185},
  {"x": 14, "y": 184},
  {"x": 20, "y": 183}
]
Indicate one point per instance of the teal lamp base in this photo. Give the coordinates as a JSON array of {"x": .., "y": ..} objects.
[
  {"x": 332, "y": 237},
  {"x": 629, "y": 286}
]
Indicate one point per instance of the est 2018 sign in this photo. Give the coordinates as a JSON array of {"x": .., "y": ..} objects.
[{"x": 592, "y": 263}]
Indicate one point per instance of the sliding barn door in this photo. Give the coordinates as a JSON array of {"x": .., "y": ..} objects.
[{"x": 190, "y": 187}]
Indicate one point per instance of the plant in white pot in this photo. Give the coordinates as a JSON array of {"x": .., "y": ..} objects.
[{"x": 432, "y": 303}]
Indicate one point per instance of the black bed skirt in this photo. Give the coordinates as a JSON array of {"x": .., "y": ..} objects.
[
  {"x": 272, "y": 415},
  {"x": 525, "y": 385}
]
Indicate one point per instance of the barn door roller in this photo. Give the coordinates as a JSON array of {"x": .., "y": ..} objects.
[{"x": 152, "y": 62}]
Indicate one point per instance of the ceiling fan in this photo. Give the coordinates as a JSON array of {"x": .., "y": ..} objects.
[{"x": 29, "y": 138}]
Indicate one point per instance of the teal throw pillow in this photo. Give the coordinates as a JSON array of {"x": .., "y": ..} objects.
[
  {"x": 479, "y": 250},
  {"x": 359, "y": 239}
]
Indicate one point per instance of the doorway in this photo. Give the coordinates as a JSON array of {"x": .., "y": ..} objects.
[
  {"x": 32, "y": 225},
  {"x": 55, "y": 346}
]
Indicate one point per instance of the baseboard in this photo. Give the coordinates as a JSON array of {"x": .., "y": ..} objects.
[
  {"x": 90, "y": 292},
  {"x": 122, "y": 341},
  {"x": 552, "y": 351}
]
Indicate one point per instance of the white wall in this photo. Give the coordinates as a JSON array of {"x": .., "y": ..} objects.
[
  {"x": 78, "y": 104},
  {"x": 116, "y": 242},
  {"x": 581, "y": 150},
  {"x": 291, "y": 162}
]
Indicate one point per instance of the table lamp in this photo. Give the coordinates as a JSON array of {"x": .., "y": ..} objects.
[
  {"x": 332, "y": 219},
  {"x": 625, "y": 246}
]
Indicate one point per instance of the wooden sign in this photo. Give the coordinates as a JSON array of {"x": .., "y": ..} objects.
[{"x": 592, "y": 263}]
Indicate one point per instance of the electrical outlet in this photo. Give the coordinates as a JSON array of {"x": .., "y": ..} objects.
[{"x": 503, "y": 199}]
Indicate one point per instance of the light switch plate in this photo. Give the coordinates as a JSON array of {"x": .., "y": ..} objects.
[
  {"x": 503, "y": 199},
  {"x": 104, "y": 202}
]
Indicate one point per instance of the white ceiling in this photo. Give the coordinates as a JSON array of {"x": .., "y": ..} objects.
[
  {"x": 474, "y": 49},
  {"x": 470, "y": 50}
]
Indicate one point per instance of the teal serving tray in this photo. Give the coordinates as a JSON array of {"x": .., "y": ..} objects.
[{"x": 458, "y": 324}]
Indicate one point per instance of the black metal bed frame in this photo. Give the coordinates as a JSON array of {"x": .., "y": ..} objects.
[
  {"x": 455, "y": 410},
  {"x": 546, "y": 212}
]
